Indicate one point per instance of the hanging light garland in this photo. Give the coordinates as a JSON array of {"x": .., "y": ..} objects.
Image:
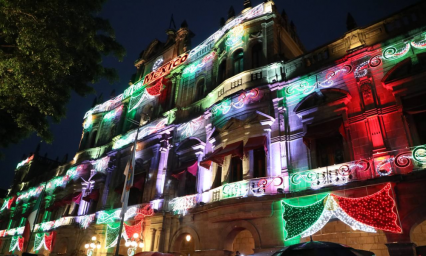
[
  {"x": 377, "y": 210},
  {"x": 17, "y": 242},
  {"x": 111, "y": 237},
  {"x": 297, "y": 219}
]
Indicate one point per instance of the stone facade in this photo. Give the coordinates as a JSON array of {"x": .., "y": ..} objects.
[{"x": 220, "y": 136}]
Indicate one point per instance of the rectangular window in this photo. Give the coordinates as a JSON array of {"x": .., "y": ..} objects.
[
  {"x": 236, "y": 169},
  {"x": 259, "y": 163}
]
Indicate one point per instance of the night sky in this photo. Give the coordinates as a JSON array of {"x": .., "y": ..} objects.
[{"x": 137, "y": 23}]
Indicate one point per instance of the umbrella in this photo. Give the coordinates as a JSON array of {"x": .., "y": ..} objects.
[{"x": 318, "y": 248}]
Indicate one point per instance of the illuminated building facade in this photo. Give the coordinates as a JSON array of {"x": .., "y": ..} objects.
[{"x": 247, "y": 143}]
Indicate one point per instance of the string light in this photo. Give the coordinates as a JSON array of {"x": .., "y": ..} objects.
[
  {"x": 377, "y": 210},
  {"x": 419, "y": 154},
  {"x": 207, "y": 44},
  {"x": 297, "y": 219},
  {"x": 111, "y": 237},
  {"x": 333, "y": 210},
  {"x": 157, "y": 63},
  {"x": 38, "y": 241},
  {"x": 86, "y": 220},
  {"x": 144, "y": 96},
  {"x": 259, "y": 187},
  {"x": 235, "y": 189},
  {"x": 244, "y": 98},
  {"x": 16, "y": 242},
  {"x": 106, "y": 106},
  {"x": 194, "y": 67},
  {"x": 419, "y": 44},
  {"x": 180, "y": 205},
  {"x": 391, "y": 53},
  {"x": 24, "y": 162},
  {"x": 188, "y": 129}
]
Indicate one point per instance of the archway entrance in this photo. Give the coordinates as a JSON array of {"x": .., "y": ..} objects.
[
  {"x": 186, "y": 245},
  {"x": 418, "y": 237},
  {"x": 338, "y": 232},
  {"x": 243, "y": 243}
]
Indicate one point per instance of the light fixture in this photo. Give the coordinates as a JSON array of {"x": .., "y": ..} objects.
[
  {"x": 92, "y": 245},
  {"x": 141, "y": 245},
  {"x": 86, "y": 246},
  {"x": 135, "y": 235},
  {"x": 98, "y": 246},
  {"x": 93, "y": 238},
  {"x": 127, "y": 244},
  {"x": 188, "y": 238}
]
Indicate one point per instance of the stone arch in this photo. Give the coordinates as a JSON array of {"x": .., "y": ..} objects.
[
  {"x": 190, "y": 141},
  {"x": 232, "y": 231},
  {"x": 410, "y": 223},
  {"x": 180, "y": 235},
  {"x": 337, "y": 231},
  {"x": 325, "y": 96}
]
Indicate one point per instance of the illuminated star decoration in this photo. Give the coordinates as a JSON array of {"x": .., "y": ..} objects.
[{"x": 376, "y": 211}]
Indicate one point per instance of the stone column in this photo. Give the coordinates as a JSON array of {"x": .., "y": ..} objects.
[
  {"x": 152, "y": 175},
  {"x": 153, "y": 231},
  {"x": 203, "y": 174},
  {"x": 162, "y": 165},
  {"x": 401, "y": 249},
  {"x": 265, "y": 41},
  {"x": 269, "y": 156}
]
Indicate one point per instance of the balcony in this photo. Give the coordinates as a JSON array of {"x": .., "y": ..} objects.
[{"x": 388, "y": 163}]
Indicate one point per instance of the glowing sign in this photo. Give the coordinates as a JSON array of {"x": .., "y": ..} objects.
[{"x": 165, "y": 69}]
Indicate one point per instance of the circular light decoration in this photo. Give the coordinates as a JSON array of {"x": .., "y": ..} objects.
[
  {"x": 362, "y": 165},
  {"x": 375, "y": 61},
  {"x": 347, "y": 68},
  {"x": 419, "y": 154},
  {"x": 157, "y": 63},
  {"x": 403, "y": 160}
]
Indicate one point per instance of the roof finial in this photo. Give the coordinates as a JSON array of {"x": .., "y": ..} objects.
[
  {"x": 231, "y": 12},
  {"x": 172, "y": 22},
  {"x": 247, "y": 4},
  {"x": 350, "y": 22}
]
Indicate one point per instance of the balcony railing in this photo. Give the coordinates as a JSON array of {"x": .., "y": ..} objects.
[{"x": 402, "y": 161}]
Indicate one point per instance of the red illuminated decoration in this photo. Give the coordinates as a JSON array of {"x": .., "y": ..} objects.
[
  {"x": 156, "y": 88},
  {"x": 135, "y": 229},
  {"x": 49, "y": 240},
  {"x": 143, "y": 212},
  {"x": 20, "y": 243},
  {"x": 377, "y": 210},
  {"x": 165, "y": 69}
]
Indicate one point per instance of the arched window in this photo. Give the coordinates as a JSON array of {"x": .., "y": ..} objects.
[
  {"x": 256, "y": 53},
  {"x": 221, "y": 75},
  {"x": 93, "y": 139},
  {"x": 83, "y": 143},
  {"x": 200, "y": 89},
  {"x": 238, "y": 60}
]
